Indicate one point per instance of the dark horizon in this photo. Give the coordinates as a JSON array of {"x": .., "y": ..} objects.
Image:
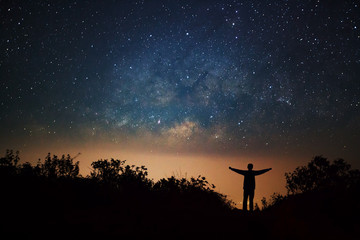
[{"x": 117, "y": 199}]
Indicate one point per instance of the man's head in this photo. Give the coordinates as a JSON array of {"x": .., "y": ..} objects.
[{"x": 250, "y": 166}]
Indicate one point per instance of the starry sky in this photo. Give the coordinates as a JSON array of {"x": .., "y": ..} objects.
[{"x": 225, "y": 78}]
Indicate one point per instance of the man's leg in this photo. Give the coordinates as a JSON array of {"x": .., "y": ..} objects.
[
  {"x": 251, "y": 199},
  {"x": 246, "y": 195}
]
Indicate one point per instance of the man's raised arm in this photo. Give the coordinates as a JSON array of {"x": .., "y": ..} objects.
[
  {"x": 259, "y": 172},
  {"x": 242, "y": 172}
]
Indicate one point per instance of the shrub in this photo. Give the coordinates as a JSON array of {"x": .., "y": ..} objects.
[
  {"x": 115, "y": 173},
  {"x": 9, "y": 163},
  {"x": 196, "y": 191},
  {"x": 321, "y": 174},
  {"x": 54, "y": 167}
]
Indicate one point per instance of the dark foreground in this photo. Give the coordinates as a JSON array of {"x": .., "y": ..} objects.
[
  {"x": 69, "y": 208},
  {"x": 51, "y": 200}
]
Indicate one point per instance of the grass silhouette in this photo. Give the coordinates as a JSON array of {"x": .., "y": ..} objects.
[{"x": 51, "y": 199}]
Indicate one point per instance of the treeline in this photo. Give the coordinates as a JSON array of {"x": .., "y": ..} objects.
[
  {"x": 119, "y": 200},
  {"x": 52, "y": 167},
  {"x": 116, "y": 175},
  {"x": 115, "y": 199}
]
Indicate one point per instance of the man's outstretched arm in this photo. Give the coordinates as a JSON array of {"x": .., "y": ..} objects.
[
  {"x": 259, "y": 172},
  {"x": 242, "y": 172}
]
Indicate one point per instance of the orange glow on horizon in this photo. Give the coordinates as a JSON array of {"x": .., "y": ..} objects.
[{"x": 214, "y": 167}]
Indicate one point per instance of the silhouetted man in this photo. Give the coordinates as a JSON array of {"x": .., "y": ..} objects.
[{"x": 249, "y": 184}]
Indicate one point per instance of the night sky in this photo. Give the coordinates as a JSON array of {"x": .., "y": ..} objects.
[{"x": 234, "y": 78}]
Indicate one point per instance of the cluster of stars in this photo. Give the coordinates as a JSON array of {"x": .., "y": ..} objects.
[{"x": 235, "y": 73}]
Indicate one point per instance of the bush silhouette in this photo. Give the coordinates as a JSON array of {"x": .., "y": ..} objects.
[
  {"x": 196, "y": 192},
  {"x": 114, "y": 172},
  {"x": 9, "y": 163},
  {"x": 106, "y": 171},
  {"x": 318, "y": 175},
  {"x": 321, "y": 174},
  {"x": 27, "y": 170},
  {"x": 64, "y": 167},
  {"x": 275, "y": 199},
  {"x": 184, "y": 185}
]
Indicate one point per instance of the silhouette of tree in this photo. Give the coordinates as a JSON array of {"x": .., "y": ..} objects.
[
  {"x": 9, "y": 163},
  {"x": 321, "y": 174},
  {"x": 135, "y": 178},
  {"x": 107, "y": 171},
  {"x": 114, "y": 172},
  {"x": 54, "y": 167}
]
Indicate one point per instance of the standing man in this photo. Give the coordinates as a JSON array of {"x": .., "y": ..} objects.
[{"x": 249, "y": 184}]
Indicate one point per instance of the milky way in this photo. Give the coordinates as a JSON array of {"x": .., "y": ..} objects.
[{"x": 226, "y": 74}]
